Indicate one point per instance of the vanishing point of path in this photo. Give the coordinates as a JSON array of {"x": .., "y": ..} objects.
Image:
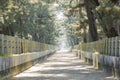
[{"x": 62, "y": 66}]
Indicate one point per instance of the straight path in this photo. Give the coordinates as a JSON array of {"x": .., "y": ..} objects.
[{"x": 62, "y": 66}]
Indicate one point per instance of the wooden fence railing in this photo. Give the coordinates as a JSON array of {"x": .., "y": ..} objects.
[
  {"x": 105, "y": 52},
  {"x": 15, "y": 45},
  {"x": 108, "y": 46},
  {"x": 17, "y": 55}
]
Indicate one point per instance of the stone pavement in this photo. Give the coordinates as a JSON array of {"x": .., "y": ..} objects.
[{"x": 63, "y": 66}]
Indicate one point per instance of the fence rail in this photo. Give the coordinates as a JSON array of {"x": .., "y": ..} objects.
[
  {"x": 107, "y": 46},
  {"x": 18, "y": 62},
  {"x": 105, "y": 52},
  {"x": 15, "y": 45}
]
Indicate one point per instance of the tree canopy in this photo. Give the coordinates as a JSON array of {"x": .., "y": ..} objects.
[
  {"x": 41, "y": 20},
  {"x": 97, "y": 18},
  {"x": 26, "y": 19}
]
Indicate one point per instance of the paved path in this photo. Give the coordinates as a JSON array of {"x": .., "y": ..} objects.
[{"x": 62, "y": 66}]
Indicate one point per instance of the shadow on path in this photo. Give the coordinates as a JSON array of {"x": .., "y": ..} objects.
[{"x": 62, "y": 66}]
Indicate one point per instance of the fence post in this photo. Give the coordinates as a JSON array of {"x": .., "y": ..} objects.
[
  {"x": 112, "y": 46},
  {"x": 9, "y": 45},
  {"x": 2, "y": 44},
  {"x": 119, "y": 46},
  {"x": 5, "y": 44},
  {"x": 113, "y": 54},
  {"x": 108, "y": 51},
  {"x": 106, "y": 46},
  {"x": 116, "y": 42},
  {"x": 16, "y": 45}
]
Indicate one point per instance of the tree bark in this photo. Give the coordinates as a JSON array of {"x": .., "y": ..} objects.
[{"x": 91, "y": 22}]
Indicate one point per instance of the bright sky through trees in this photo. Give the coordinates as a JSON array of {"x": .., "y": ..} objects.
[{"x": 60, "y": 15}]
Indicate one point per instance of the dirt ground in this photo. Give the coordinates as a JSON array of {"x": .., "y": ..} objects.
[{"x": 63, "y": 66}]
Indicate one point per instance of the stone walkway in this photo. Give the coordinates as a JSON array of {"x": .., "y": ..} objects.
[{"x": 63, "y": 66}]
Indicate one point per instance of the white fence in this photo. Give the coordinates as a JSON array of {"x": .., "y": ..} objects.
[
  {"x": 15, "y": 45},
  {"x": 17, "y": 54}
]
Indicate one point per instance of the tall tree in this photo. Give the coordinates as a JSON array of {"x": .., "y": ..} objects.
[{"x": 91, "y": 21}]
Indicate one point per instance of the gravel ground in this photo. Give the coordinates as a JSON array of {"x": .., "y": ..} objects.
[{"x": 63, "y": 66}]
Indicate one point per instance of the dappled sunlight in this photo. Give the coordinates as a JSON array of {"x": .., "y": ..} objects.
[
  {"x": 60, "y": 33},
  {"x": 63, "y": 50},
  {"x": 40, "y": 75},
  {"x": 62, "y": 67},
  {"x": 60, "y": 16},
  {"x": 110, "y": 78},
  {"x": 58, "y": 63},
  {"x": 33, "y": 1},
  {"x": 28, "y": 75}
]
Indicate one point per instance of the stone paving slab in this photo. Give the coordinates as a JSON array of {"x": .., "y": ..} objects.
[{"x": 63, "y": 66}]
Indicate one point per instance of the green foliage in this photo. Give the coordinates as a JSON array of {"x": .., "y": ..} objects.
[
  {"x": 23, "y": 17},
  {"x": 107, "y": 14}
]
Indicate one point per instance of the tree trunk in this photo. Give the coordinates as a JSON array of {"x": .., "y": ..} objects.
[
  {"x": 91, "y": 21},
  {"x": 84, "y": 35}
]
